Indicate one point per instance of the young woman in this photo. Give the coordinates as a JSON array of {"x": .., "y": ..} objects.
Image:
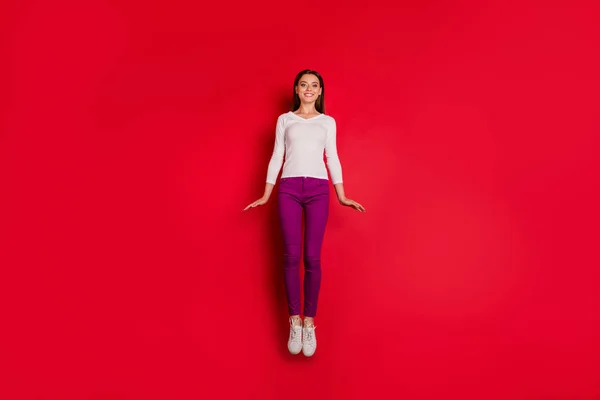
[{"x": 303, "y": 136}]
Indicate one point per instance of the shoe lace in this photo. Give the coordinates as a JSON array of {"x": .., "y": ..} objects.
[
  {"x": 295, "y": 333},
  {"x": 310, "y": 330}
]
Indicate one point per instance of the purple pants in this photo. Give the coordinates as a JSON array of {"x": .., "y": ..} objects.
[{"x": 312, "y": 196}]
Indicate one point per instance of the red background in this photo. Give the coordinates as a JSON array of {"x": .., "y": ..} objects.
[{"x": 133, "y": 134}]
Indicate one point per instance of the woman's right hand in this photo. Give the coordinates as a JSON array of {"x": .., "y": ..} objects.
[{"x": 258, "y": 202}]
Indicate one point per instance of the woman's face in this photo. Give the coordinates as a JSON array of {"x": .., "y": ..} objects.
[{"x": 308, "y": 88}]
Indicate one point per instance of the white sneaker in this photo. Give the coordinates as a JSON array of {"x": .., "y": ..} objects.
[
  {"x": 309, "y": 340},
  {"x": 295, "y": 340}
]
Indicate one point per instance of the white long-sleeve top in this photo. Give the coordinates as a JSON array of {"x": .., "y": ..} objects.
[{"x": 303, "y": 143}]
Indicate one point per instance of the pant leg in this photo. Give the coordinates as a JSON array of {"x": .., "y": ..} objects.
[
  {"x": 290, "y": 217},
  {"x": 316, "y": 213}
]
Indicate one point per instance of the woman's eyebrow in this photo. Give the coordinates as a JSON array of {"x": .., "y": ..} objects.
[{"x": 308, "y": 82}]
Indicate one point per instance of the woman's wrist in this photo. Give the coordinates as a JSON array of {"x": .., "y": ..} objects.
[
  {"x": 339, "y": 191},
  {"x": 268, "y": 191}
]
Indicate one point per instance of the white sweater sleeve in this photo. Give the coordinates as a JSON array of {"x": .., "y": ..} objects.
[
  {"x": 278, "y": 152},
  {"x": 333, "y": 161}
]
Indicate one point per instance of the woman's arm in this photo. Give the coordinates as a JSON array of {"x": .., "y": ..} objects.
[
  {"x": 264, "y": 198},
  {"x": 339, "y": 190},
  {"x": 335, "y": 169},
  {"x": 278, "y": 152},
  {"x": 274, "y": 164},
  {"x": 268, "y": 190},
  {"x": 333, "y": 160}
]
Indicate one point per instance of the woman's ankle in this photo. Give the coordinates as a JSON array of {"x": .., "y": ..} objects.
[{"x": 296, "y": 320}]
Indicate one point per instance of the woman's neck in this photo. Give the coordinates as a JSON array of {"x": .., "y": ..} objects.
[{"x": 308, "y": 109}]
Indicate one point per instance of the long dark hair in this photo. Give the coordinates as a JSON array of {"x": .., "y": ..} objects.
[{"x": 320, "y": 103}]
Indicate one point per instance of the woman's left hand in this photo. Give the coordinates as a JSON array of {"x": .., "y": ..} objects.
[{"x": 352, "y": 203}]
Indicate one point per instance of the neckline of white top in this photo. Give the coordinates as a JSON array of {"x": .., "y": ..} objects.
[{"x": 305, "y": 119}]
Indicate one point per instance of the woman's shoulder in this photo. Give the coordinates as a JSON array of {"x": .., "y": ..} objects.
[
  {"x": 284, "y": 116},
  {"x": 328, "y": 119}
]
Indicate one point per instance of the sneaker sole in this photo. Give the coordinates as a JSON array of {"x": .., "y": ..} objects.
[{"x": 309, "y": 355}]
